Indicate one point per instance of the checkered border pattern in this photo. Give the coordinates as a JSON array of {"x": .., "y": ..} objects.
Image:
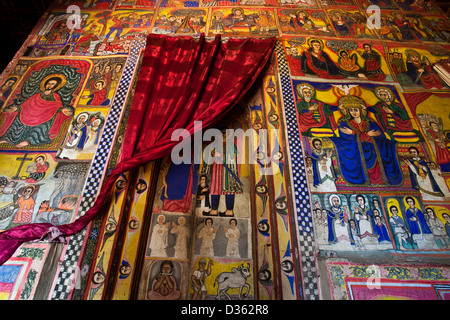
[
  {"x": 64, "y": 282},
  {"x": 301, "y": 194}
]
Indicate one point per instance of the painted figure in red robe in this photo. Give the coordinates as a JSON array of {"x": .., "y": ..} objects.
[
  {"x": 440, "y": 143},
  {"x": 38, "y": 120},
  {"x": 389, "y": 113},
  {"x": 420, "y": 71}
]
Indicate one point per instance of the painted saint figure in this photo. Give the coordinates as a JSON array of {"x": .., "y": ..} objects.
[
  {"x": 420, "y": 71},
  {"x": 421, "y": 177},
  {"x": 417, "y": 224},
  {"x": 38, "y": 119},
  {"x": 323, "y": 172},
  {"x": 225, "y": 178},
  {"x": 207, "y": 234},
  {"x": 182, "y": 233},
  {"x": 365, "y": 155},
  {"x": 337, "y": 225},
  {"x": 389, "y": 113},
  {"x": 372, "y": 64},
  {"x": 364, "y": 217},
  {"x": 438, "y": 229},
  {"x": 315, "y": 61},
  {"x": 202, "y": 195},
  {"x": 6, "y": 89},
  {"x": 313, "y": 113},
  {"x": 26, "y": 205},
  {"x": 440, "y": 143},
  {"x": 233, "y": 234},
  {"x": 348, "y": 65},
  {"x": 159, "y": 239},
  {"x": 402, "y": 235},
  {"x": 76, "y": 137},
  {"x": 37, "y": 169},
  {"x": 164, "y": 286}
]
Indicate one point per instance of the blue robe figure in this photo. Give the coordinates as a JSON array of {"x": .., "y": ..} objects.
[
  {"x": 415, "y": 184},
  {"x": 366, "y": 159},
  {"x": 317, "y": 180},
  {"x": 180, "y": 183},
  {"x": 354, "y": 233},
  {"x": 418, "y": 225},
  {"x": 381, "y": 230},
  {"x": 336, "y": 214},
  {"x": 447, "y": 227}
]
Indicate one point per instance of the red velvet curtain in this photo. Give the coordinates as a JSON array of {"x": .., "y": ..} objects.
[{"x": 181, "y": 80}]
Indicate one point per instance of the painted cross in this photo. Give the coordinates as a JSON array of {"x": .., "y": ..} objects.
[{"x": 22, "y": 161}]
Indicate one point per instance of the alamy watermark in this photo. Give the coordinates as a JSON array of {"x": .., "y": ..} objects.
[
  {"x": 74, "y": 20},
  {"x": 228, "y": 147},
  {"x": 374, "y": 19},
  {"x": 373, "y": 281}
]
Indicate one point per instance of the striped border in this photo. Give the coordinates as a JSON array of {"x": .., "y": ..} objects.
[
  {"x": 64, "y": 282},
  {"x": 300, "y": 185}
]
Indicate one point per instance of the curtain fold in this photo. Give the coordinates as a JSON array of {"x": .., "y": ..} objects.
[{"x": 181, "y": 80}]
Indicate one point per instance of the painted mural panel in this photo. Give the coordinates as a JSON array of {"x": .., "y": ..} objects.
[
  {"x": 39, "y": 102},
  {"x": 135, "y": 4},
  {"x": 272, "y": 211},
  {"x": 50, "y": 85},
  {"x": 412, "y": 65},
  {"x": 348, "y": 215},
  {"x": 337, "y": 59},
  {"x": 83, "y": 136},
  {"x": 384, "y": 186},
  {"x": 304, "y": 21},
  {"x": 180, "y": 21},
  {"x": 36, "y": 188},
  {"x": 387, "y": 282},
  {"x": 201, "y": 212},
  {"x": 350, "y": 23},
  {"x": 88, "y": 4},
  {"x": 20, "y": 275},
  {"x": 243, "y": 21},
  {"x": 98, "y": 33},
  {"x": 421, "y": 6},
  {"x": 428, "y": 109},
  {"x": 416, "y": 27}
]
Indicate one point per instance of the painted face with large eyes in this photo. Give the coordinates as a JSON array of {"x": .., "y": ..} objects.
[{"x": 281, "y": 204}]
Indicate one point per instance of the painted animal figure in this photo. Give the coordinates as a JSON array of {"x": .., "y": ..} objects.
[
  {"x": 237, "y": 278},
  {"x": 249, "y": 21}
]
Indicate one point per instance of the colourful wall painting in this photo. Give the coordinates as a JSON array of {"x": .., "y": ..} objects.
[
  {"x": 356, "y": 219},
  {"x": 243, "y": 21},
  {"x": 412, "y": 65},
  {"x": 180, "y": 21},
  {"x": 384, "y": 189},
  {"x": 303, "y": 21},
  {"x": 337, "y": 59},
  {"x": 350, "y": 23},
  {"x": 20, "y": 275},
  {"x": 400, "y": 26},
  {"x": 98, "y": 33},
  {"x": 387, "y": 282},
  {"x": 53, "y": 85}
]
